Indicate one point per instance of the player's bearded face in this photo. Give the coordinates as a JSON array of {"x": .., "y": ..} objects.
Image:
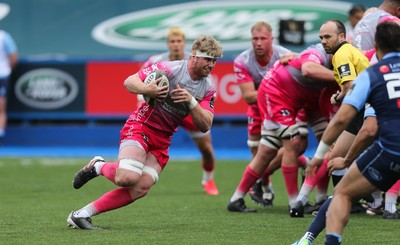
[{"x": 204, "y": 65}]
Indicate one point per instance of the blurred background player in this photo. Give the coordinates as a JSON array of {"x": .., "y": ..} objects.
[
  {"x": 250, "y": 67},
  {"x": 146, "y": 136},
  {"x": 8, "y": 61},
  {"x": 355, "y": 15},
  {"x": 364, "y": 31},
  {"x": 176, "y": 43}
]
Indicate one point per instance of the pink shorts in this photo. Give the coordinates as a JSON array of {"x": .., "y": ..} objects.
[
  {"x": 253, "y": 120},
  {"x": 188, "y": 124},
  {"x": 301, "y": 116},
  {"x": 152, "y": 140},
  {"x": 280, "y": 98}
]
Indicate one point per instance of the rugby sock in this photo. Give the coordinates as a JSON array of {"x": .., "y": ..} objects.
[
  {"x": 266, "y": 182},
  {"x": 304, "y": 192},
  {"x": 112, "y": 200},
  {"x": 333, "y": 239},
  {"x": 207, "y": 175},
  {"x": 309, "y": 183},
  {"x": 98, "y": 165},
  {"x": 377, "y": 195},
  {"x": 249, "y": 178},
  {"x": 108, "y": 170},
  {"x": 390, "y": 202},
  {"x": 85, "y": 212},
  {"x": 323, "y": 182},
  {"x": 303, "y": 161},
  {"x": 290, "y": 174},
  {"x": 318, "y": 223},
  {"x": 209, "y": 167},
  {"x": 208, "y": 171},
  {"x": 267, "y": 172},
  {"x": 391, "y": 197}
]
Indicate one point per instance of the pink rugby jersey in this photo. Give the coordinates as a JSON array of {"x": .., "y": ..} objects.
[
  {"x": 247, "y": 69},
  {"x": 166, "y": 116},
  {"x": 314, "y": 53}
]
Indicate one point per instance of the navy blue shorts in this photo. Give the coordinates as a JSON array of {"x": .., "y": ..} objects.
[{"x": 380, "y": 167}]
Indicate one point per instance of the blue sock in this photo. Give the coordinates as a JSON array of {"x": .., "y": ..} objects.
[
  {"x": 333, "y": 239},
  {"x": 318, "y": 224}
]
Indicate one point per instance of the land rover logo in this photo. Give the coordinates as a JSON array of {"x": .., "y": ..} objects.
[
  {"x": 227, "y": 21},
  {"x": 46, "y": 89}
]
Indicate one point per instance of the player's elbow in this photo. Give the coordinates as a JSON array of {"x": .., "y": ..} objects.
[
  {"x": 204, "y": 127},
  {"x": 369, "y": 132},
  {"x": 129, "y": 83},
  {"x": 307, "y": 71}
]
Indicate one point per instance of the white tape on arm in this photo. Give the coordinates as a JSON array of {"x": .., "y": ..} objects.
[
  {"x": 321, "y": 150},
  {"x": 193, "y": 103}
]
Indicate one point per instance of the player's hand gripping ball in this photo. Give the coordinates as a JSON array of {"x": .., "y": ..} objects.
[{"x": 154, "y": 76}]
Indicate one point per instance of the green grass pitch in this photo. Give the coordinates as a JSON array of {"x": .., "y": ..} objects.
[{"x": 37, "y": 195}]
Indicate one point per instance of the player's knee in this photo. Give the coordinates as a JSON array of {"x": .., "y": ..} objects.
[
  {"x": 152, "y": 172},
  {"x": 130, "y": 172}
]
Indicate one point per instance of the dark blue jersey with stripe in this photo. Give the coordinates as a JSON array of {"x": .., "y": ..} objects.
[{"x": 379, "y": 85}]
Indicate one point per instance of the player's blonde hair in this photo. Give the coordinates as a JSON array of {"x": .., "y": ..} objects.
[
  {"x": 175, "y": 31},
  {"x": 261, "y": 25},
  {"x": 208, "y": 45}
]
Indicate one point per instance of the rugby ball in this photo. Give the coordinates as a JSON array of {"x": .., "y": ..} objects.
[{"x": 154, "y": 75}]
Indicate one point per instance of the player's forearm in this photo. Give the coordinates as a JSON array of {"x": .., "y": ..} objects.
[
  {"x": 202, "y": 118},
  {"x": 343, "y": 92},
  {"x": 317, "y": 72},
  {"x": 134, "y": 85},
  {"x": 358, "y": 146}
]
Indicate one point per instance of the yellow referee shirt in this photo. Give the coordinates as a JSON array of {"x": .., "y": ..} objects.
[{"x": 348, "y": 62}]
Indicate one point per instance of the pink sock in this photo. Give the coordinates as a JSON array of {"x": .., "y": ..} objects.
[
  {"x": 108, "y": 170},
  {"x": 266, "y": 180},
  {"x": 113, "y": 199},
  {"x": 395, "y": 188},
  {"x": 290, "y": 174},
  {"x": 267, "y": 172},
  {"x": 323, "y": 183},
  {"x": 319, "y": 175},
  {"x": 302, "y": 160},
  {"x": 208, "y": 166},
  {"x": 249, "y": 178}
]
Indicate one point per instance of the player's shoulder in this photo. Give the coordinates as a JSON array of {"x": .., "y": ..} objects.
[
  {"x": 279, "y": 48},
  {"x": 243, "y": 56}
]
